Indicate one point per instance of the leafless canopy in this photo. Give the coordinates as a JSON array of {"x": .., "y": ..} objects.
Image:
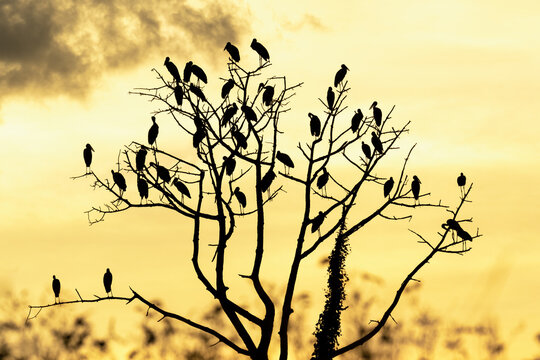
[{"x": 252, "y": 137}]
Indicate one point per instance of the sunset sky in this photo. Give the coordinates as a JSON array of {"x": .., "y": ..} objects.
[{"x": 465, "y": 73}]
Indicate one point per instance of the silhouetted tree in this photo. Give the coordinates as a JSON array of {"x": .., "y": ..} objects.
[{"x": 253, "y": 137}]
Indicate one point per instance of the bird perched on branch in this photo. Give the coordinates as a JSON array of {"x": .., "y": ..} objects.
[
  {"x": 452, "y": 225},
  {"x": 377, "y": 113},
  {"x": 197, "y": 91},
  {"x": 187, "y": 71},
  {"x": 120, "y": 181},
  {"x": 249, "y": 113},
  {"x": 241, "y": 140},
  {"x": 340, "y": 75},
  {"x": 178, "y": 95},
  {"x": 356, "y": 119},
  {"x": 233, "y": 51},
  {"x": 140, "y": 158},
  {"x": 366, "y": 150},
  {"x": 317, "y": 222},
  {"x": 107, "y": 282},
  {"x": 314, "y": 125},
  {"x": 241, "y": 197},
  {"x": 198, "y": 72},
  {"x": 87, "y": 155},
  {"x": 56, "y": 289},
  {"x": 198, "y": 121},
  {"x": 388, "y": 185},
  {"x": 415, "y": 187},
  {"x": 198, "y": 137},
  {"x": 377, "y": 144},
  {"x": 285, "y": 160},
  {"x": 461, "y": 181},
  {"x": 323, "y": 179},
  {"x": 172, "y": 69},
  {"x": 142, "y": 186},
  {"x": 268, "y": 94},
  {"x": 330, "y": 98},
  {"x": 153, "y": 132},
  {"x": 230, "y": 164},
  {"x": 228, "y": 114},
  {"x": 162, "y": 172},
  {"x": 226, "y": 88},
  {"x": 267, "y": 179},
  {"x": 260, "y": 49},
  {"x": 182, "y": 188},
  {"x": 464, "y": 235}
]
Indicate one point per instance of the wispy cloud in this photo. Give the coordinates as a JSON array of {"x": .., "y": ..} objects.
[
  {"x": 63, "y": 47},
  {"x": 308, "y": 21}
]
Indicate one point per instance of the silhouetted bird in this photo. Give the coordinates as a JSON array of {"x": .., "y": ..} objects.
[
  {"x": 330, "y": 97},
  {"x": 153, "y": 132},
  {"x": 172, "y": 69},
  {"x": 241, "y": 140},
  {"x": 187, "y": 71},
  {"x": 230, "y": 164},
  {"x": 452, "y": 225},
  {"x": 162, "y": 172},
  {"x": 377, "y": 113},
  {"x": 199, "y": 124},
  {"x": 226, "y": 88},
  {"x": 323, "y": 179},
  {"x": 241, "y": 197},
  {"x": 267, "y": 179},
  {"x": 366, "y": 150},
  {"x": 56, "y": 288},
  {"x": 233, "y": 51},
  {"x": 377, "y": 144},
  {"x": 140, "y": 158},
  {"x": 268, "y": 95},
  {"x": 285, "y": 159},
  {"x": 178, "y": 95},
  {"x": 249, "y": 113},
  {"x": 355, "y": 121},
  {"x": 314, "y": 125},
  {"x": 198, "y": 72},
  {"x": 260, "y": 49},
  {"x": 120, "y": 181},
  {"x": 388, "y": 185},
  {"x": 107, "y": 282},
  {"x": 464, "y": 235},
  {"x": 198, "y": 137},
  {"x": 317, "y": 222},
  {"x": 461, "y": 181},
  {"x": 340, "y": 75},
  {"x": 142, "y": 186},
  {"x": 228, "y": 114},
  {"x": 182, "y": 188},
  {"x": 415, "y": 187},
  {"x": 87, "y": 155},
  {"x": 197, "y": 91}
]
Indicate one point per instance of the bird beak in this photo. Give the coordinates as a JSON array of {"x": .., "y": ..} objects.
[
  {"x": 371, "y": 107},
  {"x": 91, "y": 148},
  {"x": 347, "y": 68}
]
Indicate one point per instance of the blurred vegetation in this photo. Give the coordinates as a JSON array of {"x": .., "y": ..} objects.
[{"x": 60, "y": 335}]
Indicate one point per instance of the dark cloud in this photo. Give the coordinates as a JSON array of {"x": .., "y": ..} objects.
[{"x": 62, "y": 47}]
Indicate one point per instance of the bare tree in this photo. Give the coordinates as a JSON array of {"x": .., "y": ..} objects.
[{"x": 236, "y": 140}]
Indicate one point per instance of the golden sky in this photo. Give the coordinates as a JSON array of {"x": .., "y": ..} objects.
[{"x": 465, "y": 73}]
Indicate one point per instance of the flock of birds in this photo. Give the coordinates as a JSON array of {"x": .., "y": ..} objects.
[
  {"x": 107, "y": 283},
  {"x": 229, "y": 163}
]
